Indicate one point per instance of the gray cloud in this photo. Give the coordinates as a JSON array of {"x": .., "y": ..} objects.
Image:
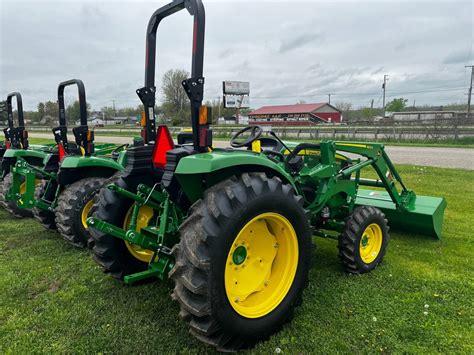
[
  {"x": 288, "y": 51},
  {"x": 457, "y": 57},
  {"x": 299, "y": 41}
]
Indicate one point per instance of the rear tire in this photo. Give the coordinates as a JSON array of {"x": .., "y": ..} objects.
[
  {"x": 364, "y": 240},
  {"x": 74, "y": 205},
  {"x": 11, "y": 206},
  {"x": 44, "y": 217},
  {"x": 203, "y": 273}
]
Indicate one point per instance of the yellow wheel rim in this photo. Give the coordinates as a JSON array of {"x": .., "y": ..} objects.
[
  {"x": 85, "y": 212},
  {"x": 261, "y": 265},
  {"x": 23, "y": 188},
  {"x": 370, "y": 243},
  {"x": 145, "y": 214}
]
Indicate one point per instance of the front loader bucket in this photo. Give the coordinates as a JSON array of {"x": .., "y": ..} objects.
[{"x": 424, "y": 216}]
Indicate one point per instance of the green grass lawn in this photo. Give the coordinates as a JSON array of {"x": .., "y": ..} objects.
[
  {"x": 41, "y": 141},
  {"x": 55, "y": 299}
]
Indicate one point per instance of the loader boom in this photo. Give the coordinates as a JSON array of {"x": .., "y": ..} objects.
[{"x": 404, "y": 209}]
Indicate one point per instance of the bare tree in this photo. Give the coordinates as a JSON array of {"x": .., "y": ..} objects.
[
  {"x": 174, "y": 96},
  {"x": 344, "y": 107}
]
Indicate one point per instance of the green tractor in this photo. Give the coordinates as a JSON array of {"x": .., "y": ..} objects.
[
  {"x": 16, "y": 146},
  {"x": 61, "y": 192},
  {"x": 233, "y": 227}
]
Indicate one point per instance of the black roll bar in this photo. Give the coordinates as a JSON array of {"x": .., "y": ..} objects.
[
  {"x": 17, "y": 136},
  {"x": 19, "y": 104},
  {"x": 193, "y": 86},
  {"x": 82, "y": 101},
  {"x": 83, "y": 137}
]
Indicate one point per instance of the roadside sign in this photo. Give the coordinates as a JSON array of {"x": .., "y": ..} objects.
[
  {"x": 236, "y": 101},
  {"x": 236, "y": 87}
]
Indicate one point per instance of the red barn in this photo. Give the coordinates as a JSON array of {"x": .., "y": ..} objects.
[{"x": 295, "y": 115}]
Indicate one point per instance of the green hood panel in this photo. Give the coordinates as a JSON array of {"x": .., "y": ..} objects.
[
  {"x": 215, "y": 166},
  {"x": 16, "y": 153},
  {"x": 220, "y": 159},
  {"x": 74, "y": 162}
]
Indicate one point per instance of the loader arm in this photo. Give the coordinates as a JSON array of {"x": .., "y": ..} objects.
[
  {"x": 379, "y": 160},
  {"x": 404, "y": 210}
]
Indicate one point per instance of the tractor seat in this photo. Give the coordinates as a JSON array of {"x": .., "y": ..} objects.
[
  {"x": 185, "y": 138},
  {"x": 74, "y": 149},
  {"x": 268, "y": 143}
]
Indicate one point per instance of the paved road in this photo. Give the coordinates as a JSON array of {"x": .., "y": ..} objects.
[{"x": 426, "y": 156}]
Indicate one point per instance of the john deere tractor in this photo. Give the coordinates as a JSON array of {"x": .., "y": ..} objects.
[
  {"x": 233, "y": 227},
  {"x": 16, "y": 146},
  {"x": 61, "y": 192}
]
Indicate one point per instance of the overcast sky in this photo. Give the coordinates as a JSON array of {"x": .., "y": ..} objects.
[{"x": 289, "y": 51}]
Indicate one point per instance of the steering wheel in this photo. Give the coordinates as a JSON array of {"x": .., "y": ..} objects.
[{"x": 255, "y": 133}]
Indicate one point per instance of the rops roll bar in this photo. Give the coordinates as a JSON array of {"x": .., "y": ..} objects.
[
  {"x": 194, "y": 86},
  {"x": 17, "y": 137},
  {"x": 84, "y": 138},
  {"x": 82, "y": 101}
]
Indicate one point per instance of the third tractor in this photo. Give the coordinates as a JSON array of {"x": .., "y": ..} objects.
[{"x": 61, "y": 192}]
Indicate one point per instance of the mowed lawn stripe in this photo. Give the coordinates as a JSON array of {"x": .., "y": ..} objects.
[{"x": 54, "y": 298}]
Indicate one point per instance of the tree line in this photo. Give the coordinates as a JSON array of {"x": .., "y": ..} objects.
[{"x": 174, "y": 109}]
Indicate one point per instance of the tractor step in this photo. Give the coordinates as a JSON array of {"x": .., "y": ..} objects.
[{"x": 423, "y": 216}]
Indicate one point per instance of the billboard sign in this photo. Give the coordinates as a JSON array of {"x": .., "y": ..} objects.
[
  {"x": 236, "y": 87},
  {"x": 236, "y": 101}
]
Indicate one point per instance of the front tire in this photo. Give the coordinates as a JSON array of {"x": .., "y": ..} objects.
[
  {"x": 364, "y": 240},
  {"x": 74, "y": 206},
  {"x": 243, "y": 260}
]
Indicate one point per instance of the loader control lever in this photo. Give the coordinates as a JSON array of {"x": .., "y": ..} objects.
[
  {"x": 294, "y": 162},
  {"x": 255, "y": 133}
]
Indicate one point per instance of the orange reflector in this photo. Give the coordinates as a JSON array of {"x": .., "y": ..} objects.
[
  {"x": 89, "y": 135},
  {"x": 203, "y": 115},
  {"x": 143, "y": 119},
  {"x": 163, "y": 143}
]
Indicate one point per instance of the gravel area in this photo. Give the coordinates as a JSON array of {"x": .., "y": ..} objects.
[{"x": 462, "y": 158}]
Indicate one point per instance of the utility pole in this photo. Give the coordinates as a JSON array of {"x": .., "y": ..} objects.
[
  {"x": 470, "y": 91},
  {"x": 384, "y": 86},
  {"x": 329, "y": 95},
  {"x": 113, "y": 105},
  {"x": 414, "y": 104}
]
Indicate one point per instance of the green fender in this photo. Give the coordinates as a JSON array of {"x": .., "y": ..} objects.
[
  {"x": 74, "y": 162},
  {"x": 219, "y": 165},
  {"x": 22, "y": 153}
]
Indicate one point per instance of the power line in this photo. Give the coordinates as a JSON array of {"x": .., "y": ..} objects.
[
  {"x": 378, "y": 100},
  {"x": 427, "y": 91}
]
